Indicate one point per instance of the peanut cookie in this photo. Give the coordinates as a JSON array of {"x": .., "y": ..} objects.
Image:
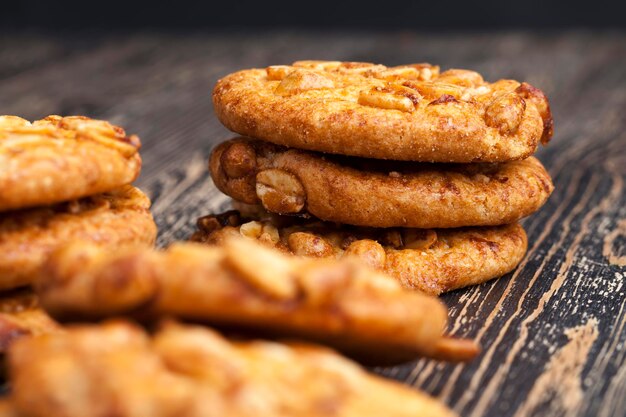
[
  {"x": 410, "y": 112},
  {"x": 116, "y": 369},
  {"x": 62, "y": 158},
  {"x": 430, "y": 260},
  {"x": 378, "y": 193},
  {"x": 20, "y": 315},
  {"x": 116, "y": 218},
  {"x": 245, "y": 285}
]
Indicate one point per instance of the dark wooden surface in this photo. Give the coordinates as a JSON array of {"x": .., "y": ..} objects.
[{"x": 553, "y": 332}]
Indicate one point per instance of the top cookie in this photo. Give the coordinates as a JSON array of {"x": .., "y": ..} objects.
[
  {"x": 410, "y": 112},
  {"x": 62, "y": 158}
]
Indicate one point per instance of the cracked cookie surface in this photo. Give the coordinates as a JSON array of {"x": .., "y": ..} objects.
[
  {"x": 117, "y": 369},
  {"x": 242, "y": 284},
  {"x": 116, "y": 218},
  {"x": 378, "y": 193},
  {"x": 411, "y": 112},
  {"x": 62, "y": 158}
]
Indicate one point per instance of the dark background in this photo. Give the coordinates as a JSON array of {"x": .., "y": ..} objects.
[{"x": 367, "y": 14}]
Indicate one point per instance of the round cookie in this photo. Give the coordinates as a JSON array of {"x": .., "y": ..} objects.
[
  {"x": 410, "y": 112},
  {"x": 116, "y": 218},
  {"x": 62, "y": 158},
  {"x": 378, "y": 193},
  {"x": 432, "y": 261}
]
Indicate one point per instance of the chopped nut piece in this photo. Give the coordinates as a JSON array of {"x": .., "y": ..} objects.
[
  {"x": 269, "y": 234},
  {"x": 238, "y": 160},
  {"x": 318, "y": 65},
  {"x": 308, "y": 244},
  {"x": 432, "y": 91},
  {"x": 280, "y": 191},
  {"x": 251, "y": 229},
  {"x": 463, "y": 78},
  {"x": 300, "y": 80},
  {"x": 266, "y": 272},
  {"x": 423, "y": 72},
  {"x": 419, "y": 238},
  {"x": 213, "y": 222},
  {"x": 277, "y": 72},
  {"x": 392, "y": 97},
  {"x": 368, "y": 251},
  {"x": 505, "y": 112},
  {"x": 444, "y": 99},
  {"x": 393, "y": 238},
  {"x": 536, "y": 96}
]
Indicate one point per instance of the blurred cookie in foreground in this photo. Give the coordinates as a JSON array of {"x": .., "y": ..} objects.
[
  {"x": 20, "y": 316},
  {"x": 410, "y": 112},
  {"x": 244, "y": 286},
  {"x": 62, "y": 158},
  {"x": 378, "y": 193},
  {"x": 116, "y": 369},
  {"x": 430, "y": 260},
  {"x": 112, "y": 219}
]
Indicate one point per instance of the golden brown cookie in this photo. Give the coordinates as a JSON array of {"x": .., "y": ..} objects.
[
  {"x": 410, "y": 112},
  {"x": 62, "y": 158},
  {"x": 116, "y": 218},
  {"x": 378, "y": 193},
  {"x": 430, "y": 260},
  {"x": 245, "y": 285},
  {"x": 21, "y": 315},
  {"x": 116, "y": 369}
]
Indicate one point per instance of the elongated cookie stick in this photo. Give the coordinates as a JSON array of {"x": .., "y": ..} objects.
[{"x": 242, "y": 284}]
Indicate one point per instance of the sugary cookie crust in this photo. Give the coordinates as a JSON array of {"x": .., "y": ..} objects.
[
  {"x": 378, "y": 193},
  {"x": 410, "y": 112},
  {"x": 62, "y": 158},
  {"x": 21, "y": 316},
  {"x": 116, "y": 218},
  {"x": 355, "y": 309},
  {"x": 116, "y": 369},
  {"x": 429, "y": 260}
]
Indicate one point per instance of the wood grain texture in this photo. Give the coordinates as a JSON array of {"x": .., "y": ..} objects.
[{"x": 553, "y": 332}]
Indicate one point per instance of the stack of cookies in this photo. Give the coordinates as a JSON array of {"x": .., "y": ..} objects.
[
  {"x": 62, "y": 180},
  {"x": 418, "y": 173}
]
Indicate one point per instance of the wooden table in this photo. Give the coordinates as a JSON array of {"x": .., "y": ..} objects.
[{"x": 553, "y": 332}]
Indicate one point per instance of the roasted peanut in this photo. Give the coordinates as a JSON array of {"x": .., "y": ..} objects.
[
  {"x": 318, "y": 65},
  {"x": 536, "y": 96},
  {"x": 392, "y": 97},
  {"x": 434, "y": 90},
  {"x": 393, "y": 238},
  {"x": 362, "y": 68},
  {"x": 308, "y": 244},
  {"x": 238, "y": 160},
  {"x": 422, "y": 72},
  {"x": 280, "y": 191},
  {"x": 463, "y": 78},
  {"x": 277, "y": 72},
  {"x": 368, "y": 251},
  {"x": 274, "y": 278},
  {"x": 419, "y": 238},
  {"x": 505, "y": 112},
  {"x": 300, "y": 80}
]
